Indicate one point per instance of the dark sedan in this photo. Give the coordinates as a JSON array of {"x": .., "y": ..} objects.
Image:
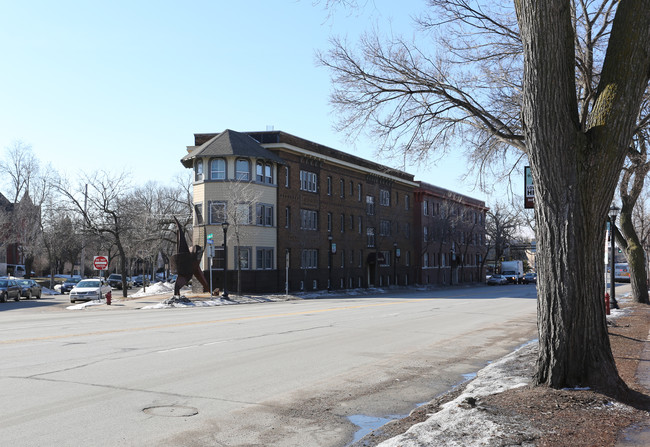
[
  {"x": 69, "y": 284},
  {"x": 29, "y": 288},
  {"x": 9, "y": 289}
]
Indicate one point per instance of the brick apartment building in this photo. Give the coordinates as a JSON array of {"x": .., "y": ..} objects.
[{"x": 309, "y": 217}]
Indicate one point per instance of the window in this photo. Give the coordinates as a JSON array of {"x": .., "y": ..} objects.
[
  {"x": 198, "y": 213},
  {"x": 342, "y": 187},
  {"x": 216, "y": 212},
  {"x": 342, "y": 258},
  {"x": 244, "y": 257},
  {"x": 351, "y": 222},
  {"x": 308, "y": 220},
  {"x": 342, "y": 223},
  {"x": 329, "y": 185},
  {"x": 329, "y": 222},
  {"x": 309, "y": 259},
  {"x": 370, "y": 233},
  {"x": 218, "y": 169},
  {"x": 268, "y": 174},
  {"x": 425, "y": 261},
  {"x": 242, "y": 214},
  {"x": 259, "y": 168},
  {"x": 384, "y": 228},
  {"x": 425, "y": 232},
  {"x": 360, "y": 219},
  {"x": 386, "y": 255},
  {"x": 425, "y": 208},
  {"x": 408, "y": 258},
  {"x": 308, "y": 181},
  {"x": 351, "y": 188},
  {"x": 264, "y": 259},
  {"x": 218, "y": 260},
  {"x": 360, "y": 258},
  {"x": 242, "y": 169},
  {"x": 198, "y": 170},
  {"x": 359, "y": 191},
  {"x": 286, "y": 176},
  {"x": 370, "y": 205},
  {"x": 264, "y": 214},
  {"x": 407, "y": 202},
  {"x": 287, "y": 217},
  {"x": 384, "y": 197}
]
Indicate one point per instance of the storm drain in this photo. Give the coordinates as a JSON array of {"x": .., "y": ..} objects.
[{"x": 171, "y": 411}]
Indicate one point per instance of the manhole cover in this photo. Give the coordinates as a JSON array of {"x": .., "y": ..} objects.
[{"x": 172, "y": 411}]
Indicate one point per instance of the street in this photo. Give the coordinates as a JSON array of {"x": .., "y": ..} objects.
[{"x": 282, "y": 373}]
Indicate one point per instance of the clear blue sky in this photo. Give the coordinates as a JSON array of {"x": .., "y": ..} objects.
[{"x": 124, "y": 85}]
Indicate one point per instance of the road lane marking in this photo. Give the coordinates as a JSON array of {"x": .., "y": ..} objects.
[{"x": 202, "y": 323}]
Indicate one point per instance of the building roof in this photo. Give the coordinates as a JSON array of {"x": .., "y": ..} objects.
[{"x": 229, "y": 143}]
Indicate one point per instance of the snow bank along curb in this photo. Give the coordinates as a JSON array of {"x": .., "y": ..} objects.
[{"x": 462, "y": 422}]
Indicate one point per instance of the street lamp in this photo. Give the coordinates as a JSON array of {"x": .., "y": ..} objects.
[
  {"x": 395, "y": 263},
  {"x": 329, "y": 264},
  {"x": 613, "y": 211},
  {"x": 225, "y": 225}
]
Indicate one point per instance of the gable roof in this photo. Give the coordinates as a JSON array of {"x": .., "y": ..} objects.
[{"x": 229, "y": 143}]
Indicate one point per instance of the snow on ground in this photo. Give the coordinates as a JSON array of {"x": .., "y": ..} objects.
[
  {"x": 82, "y": 306},
  {"x": 462, "y": 422},
  {"x": 159, "y": 288}
]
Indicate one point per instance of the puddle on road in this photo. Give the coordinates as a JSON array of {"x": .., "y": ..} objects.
[{"x": 368, "y": 424}]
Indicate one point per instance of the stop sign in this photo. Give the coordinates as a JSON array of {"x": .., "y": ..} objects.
[{"x": 100, "y": 262}]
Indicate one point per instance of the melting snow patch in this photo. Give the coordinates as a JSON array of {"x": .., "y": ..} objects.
[
  {"x": 160, "y": 288},
  {"x": 82, "y": 306},
  {"x": 462, "y": 422},
  {"x": 175, "y": 302}
]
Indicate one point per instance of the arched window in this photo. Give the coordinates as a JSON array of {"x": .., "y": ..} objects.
[
  {"x": 259, "y": 168},
  {"x": 243, "y": 169},
  {"x": 268, "y": 174},
  {"x": 198, "y": 170},
  {"x": 218, "y": 169}
]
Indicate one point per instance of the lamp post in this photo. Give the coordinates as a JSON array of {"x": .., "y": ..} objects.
[
  {"x": 613, "y": 210},
  {"x": 329, "y": 264},
  {"x": 395, "y": 263},
  {"x": 225, "y": 259}
]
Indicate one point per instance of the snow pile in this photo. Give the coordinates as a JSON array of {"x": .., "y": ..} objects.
[
  {"x": 82, "y": 306},
  {"x": 160, "y": 288},
  {"x": 463, "y": 422},
  {"x": 168, "y": 304}
]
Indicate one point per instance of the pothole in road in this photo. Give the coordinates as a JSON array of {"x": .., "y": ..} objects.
[{"x": 173, "y": 411}]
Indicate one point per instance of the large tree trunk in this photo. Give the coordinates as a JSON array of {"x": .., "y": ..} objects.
[{"x": 575, "y": 171}]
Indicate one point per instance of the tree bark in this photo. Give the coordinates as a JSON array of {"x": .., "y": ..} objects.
[
  {"x": 634, "y": 254},
  {"x": 575, "y": 172}
]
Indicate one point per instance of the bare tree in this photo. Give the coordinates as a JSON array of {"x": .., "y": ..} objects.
[
  {"x": 110, "y": 208},
  {"x": 630, "y": 187},
  {"x": 497, "y": 87}
]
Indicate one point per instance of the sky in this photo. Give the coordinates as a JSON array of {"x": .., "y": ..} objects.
[{"x": 124, "y": 85}]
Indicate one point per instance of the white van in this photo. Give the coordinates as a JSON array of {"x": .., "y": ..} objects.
[{"x": 16, "y": 270}]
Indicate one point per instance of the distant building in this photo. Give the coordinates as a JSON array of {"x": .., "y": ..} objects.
[{"x": 310, "y": 217}]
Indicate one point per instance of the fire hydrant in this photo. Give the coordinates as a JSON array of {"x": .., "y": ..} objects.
[
  {"x": 606, "y": 303},
  {"x": 108, "y": 299}
]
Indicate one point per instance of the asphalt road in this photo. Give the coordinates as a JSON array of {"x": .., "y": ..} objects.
[{"x": 282, "y": 374}]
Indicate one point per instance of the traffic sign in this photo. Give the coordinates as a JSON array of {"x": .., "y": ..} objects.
[
  {"x": 100, "y": 262},
  {"x": 210, "y": 236}
]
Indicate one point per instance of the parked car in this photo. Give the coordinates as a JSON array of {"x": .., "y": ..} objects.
[
  {"x": 69, "y": 284},
  {"x": 9, "y": 288},
  {"x": 137, "y": 281},
  {"x": 29, "y": 288},
  {"x": 497, "y": 280},
  {"x": 115, "y": 281},
  {"x": 89, "y": 290},
  {"x": 530, "y": 278}
]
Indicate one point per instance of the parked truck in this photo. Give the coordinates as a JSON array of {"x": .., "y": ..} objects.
[{"x": 513, "y": 271}]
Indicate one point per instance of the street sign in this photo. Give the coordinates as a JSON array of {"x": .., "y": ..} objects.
[
  {"x": 529, "y": 189},
  {"x": 210, "y": 236},
  {"x": 100, "y": 262}
]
